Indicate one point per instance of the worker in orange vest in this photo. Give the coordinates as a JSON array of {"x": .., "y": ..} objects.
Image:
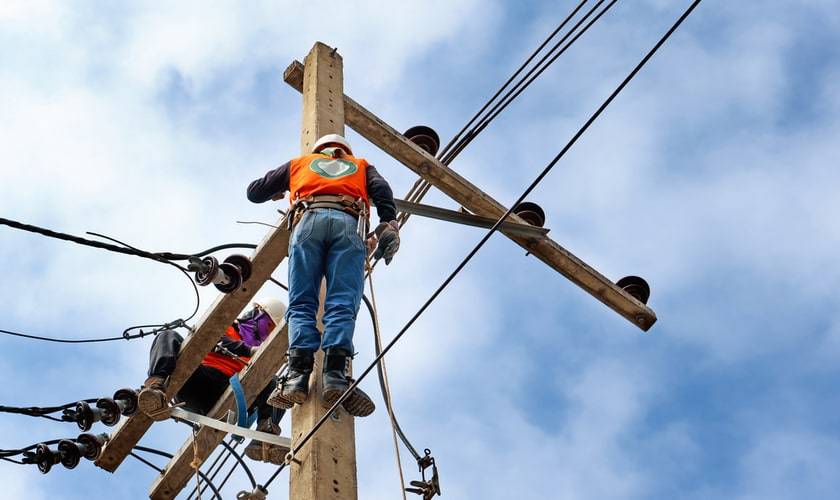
[
  {"x": 209, "y": 381},
  {"x": 330, "y": 192}
]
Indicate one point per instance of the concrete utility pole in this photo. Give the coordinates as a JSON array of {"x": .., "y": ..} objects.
[{"x": 327, "y": 464}]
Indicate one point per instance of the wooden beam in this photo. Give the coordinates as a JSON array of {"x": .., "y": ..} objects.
[
  {"x": 327, "y": 468},
  {"x": 254, "y": 378},
  {"x": 471, "y": 197},
  {"x": 268, "y": 255}
]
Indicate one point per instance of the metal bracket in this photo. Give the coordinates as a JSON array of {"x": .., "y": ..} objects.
[
  {"x": 469, "y": 219},
  {"x": 230, "y": 428}
]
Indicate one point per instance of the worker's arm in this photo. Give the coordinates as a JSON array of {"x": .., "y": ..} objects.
[
  {"x": 381, "y": 194},
  {"x": 236, "y": 347},
  {"x": 271, "y": 186}
]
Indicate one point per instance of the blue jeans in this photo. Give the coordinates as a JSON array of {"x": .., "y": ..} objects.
[{"x": 325, "y": 244}]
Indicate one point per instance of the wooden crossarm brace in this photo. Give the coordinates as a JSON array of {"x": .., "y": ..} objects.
[
  {"x": 471, "y": 197},
  {"x": 254, "y": 378},
  {"x": 268, "y": 255}
]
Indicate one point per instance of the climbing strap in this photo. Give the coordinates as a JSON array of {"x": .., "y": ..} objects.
[{"x": 243, "y": 419}]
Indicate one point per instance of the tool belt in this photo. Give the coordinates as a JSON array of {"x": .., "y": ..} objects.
[{"x": 355, "y": 207}]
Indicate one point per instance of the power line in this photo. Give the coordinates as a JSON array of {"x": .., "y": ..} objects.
[
  {"x": 453, "y": 148},
  {"x": 169, "y": 456},
  {"x": 37, "y": 411},
  {"x": 302, "y": 442}
]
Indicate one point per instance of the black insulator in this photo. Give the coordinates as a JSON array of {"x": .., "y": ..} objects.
[
  {"x": 91, "y": 445},
  {"x": 46, "y": 458},
  {"x": 110, "y": 411},
  {"x": 86, "y": 415},
  {"x": 208, "y": 271},
  {"x": 243, "y": 263},
  {"x": 232, "y": 278},
  {"x": 70, "y": 452},
  {"x": 127, "y": 401},
  {"x": 636, "y": 287},
  {"x": 531, "y": 213},
  {"x": 425, "y": 137}
]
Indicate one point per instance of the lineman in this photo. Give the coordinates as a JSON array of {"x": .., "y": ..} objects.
[
  {"x": 330, "y": 191},
  {"x": 209, "y": 381}
]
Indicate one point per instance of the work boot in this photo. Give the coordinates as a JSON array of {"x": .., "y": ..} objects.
[
  {"x": 335, "y": 382},
  {"x": 294, "y": 386},
  {"x": 358, "y": 403},
  {"x": 267, "y": 452},
  {"x": 152, "y": 398}
]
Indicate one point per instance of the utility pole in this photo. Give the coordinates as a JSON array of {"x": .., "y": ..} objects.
[{"x": 326, "y": 467}]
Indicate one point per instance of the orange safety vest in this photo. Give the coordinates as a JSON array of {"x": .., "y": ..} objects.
[
  {"x": 223, "y": 363},
  {"x": 316, "y": 173}
]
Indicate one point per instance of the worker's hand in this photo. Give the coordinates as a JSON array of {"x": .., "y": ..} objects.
[
  {"x": 254, "y": 350},
  {"x": 388, "y": 234}
]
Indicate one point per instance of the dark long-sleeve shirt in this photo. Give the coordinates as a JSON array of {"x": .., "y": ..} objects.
[{"x": 277, "y": 181}]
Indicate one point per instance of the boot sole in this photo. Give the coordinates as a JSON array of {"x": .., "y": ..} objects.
[
  {"x": 273, "y": 453},
  {"x": 359, "y": 404},
  {"x": 285, "y": 401},
  {"x": 332, "y": 395},
  {"x": 151, "y": 402}
]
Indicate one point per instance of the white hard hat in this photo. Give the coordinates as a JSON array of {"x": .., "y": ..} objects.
[
  {"x": 332, "y": 139},
  {"x": 275, "y": 308}
]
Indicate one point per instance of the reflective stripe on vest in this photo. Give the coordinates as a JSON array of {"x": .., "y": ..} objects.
[{"x": 321, "y": 174}]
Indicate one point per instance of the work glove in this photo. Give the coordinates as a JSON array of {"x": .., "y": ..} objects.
[
  {"x": 388, "y": 237},
  {"x": 254, "y": 350}
]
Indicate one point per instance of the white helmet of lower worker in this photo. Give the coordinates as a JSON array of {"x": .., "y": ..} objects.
[
  {"x": 332, "y": 139},
  {"x": 275, "y": 308}
]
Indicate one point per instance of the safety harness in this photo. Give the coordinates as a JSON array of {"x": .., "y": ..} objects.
[{"x": 353, "y": 206}]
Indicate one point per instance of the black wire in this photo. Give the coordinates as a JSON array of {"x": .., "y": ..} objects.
[
  {"x": 215, "y": 473},
  {"x": 382, "y": 389},
  {"x": 167, "y": 455},
  {"x": 513, "y": 93},
  {"x": 230, "y": 450},
  {"x": 302, "y": 442},
  {"x": 158, "y": 256},
  {"x": 514, "y": 75},
  {"x": 11, "y": 453},
  {"x": 39, "y": 411},
  {"x": 13, "y": 461},
  {"x": 69, "y": 341}
]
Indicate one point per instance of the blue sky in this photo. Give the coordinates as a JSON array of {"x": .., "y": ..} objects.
[{"x": 713, "y": 176}]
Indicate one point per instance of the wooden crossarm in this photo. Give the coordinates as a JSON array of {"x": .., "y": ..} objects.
[
  {"x": 254, "y": 378},
  {"x": 268, "y": 255},
  {"x": 471, "y": 197}
]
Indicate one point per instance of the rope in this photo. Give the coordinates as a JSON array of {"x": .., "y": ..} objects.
[
  {"x": 387, "y": 386},
  {"x": 196, "y": 462},
  {"x": 302, "y": 442}
]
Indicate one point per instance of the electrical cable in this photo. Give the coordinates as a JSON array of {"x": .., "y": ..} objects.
[
  {"x": 509, "y": 80},
  {"x": 157, "y": 256},
  {"x": 386, "y": 394},
  {"x": 213, "y": 473},
  {"x": 169, "y": 456},
  {"x": 422, "y": 186},
  {"x": 37, "y": 411},
  {"x": 382, "y": 387},
  {"x": 74, "y": 341},
  {"x": 305, "y": 439},
  {"x": 233, "y": 452},
  {"x": 513, "y": 93}
]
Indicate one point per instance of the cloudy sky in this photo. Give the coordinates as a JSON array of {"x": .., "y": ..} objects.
[{"x": 714, "y": 176}]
